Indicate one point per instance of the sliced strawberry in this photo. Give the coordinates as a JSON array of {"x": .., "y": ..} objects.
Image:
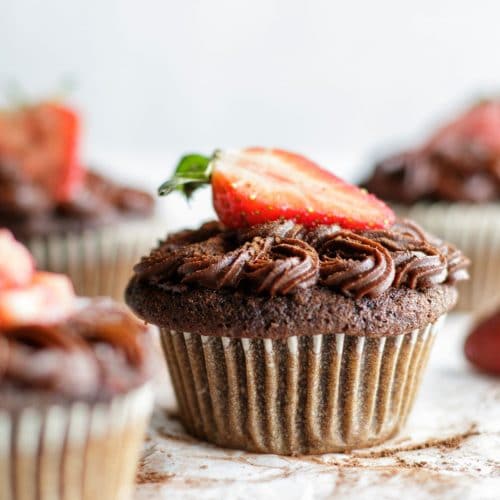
[
  {"x": 48, "y": 298},
  {"x": 16, "y": 264},
  {"x": 257, "y": 185},
  {"x": 481, "y": 123},
  {"x": 43, "y": 141}
]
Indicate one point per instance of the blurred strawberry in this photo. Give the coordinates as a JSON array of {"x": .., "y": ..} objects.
[
  {"x": 479, "y": 124},
  {"x": 16, "y": 264},
  {"x": 256, "y": 185},
  {"x": 482, "y": 347},
  {"x": 48, "y": 298},
  {"x": 42, "y": 140}
]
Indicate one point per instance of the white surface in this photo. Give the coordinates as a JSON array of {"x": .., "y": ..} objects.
[
  {"x": 341, "y": 82},
  {"x": 324, "y": 77},
  {"x": 453, "y": 400}
]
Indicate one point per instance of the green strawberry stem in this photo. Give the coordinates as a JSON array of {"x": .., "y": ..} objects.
[{"x": 192, "y": 172}]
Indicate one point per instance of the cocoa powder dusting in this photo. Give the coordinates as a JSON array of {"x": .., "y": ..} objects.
[
  {"x": 152, "y": 477},
  {"x": 451, "y": 442}
]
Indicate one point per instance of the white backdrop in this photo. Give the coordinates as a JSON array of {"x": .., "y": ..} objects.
[{"x": 340, "y": 81}]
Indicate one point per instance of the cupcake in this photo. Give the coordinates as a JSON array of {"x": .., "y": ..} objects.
[
  {"x": 300, "y": 322},
  {"x": 451, "y": 185},
  {"x": 74, "y": 220},
  {"x": 74, "y": 390}
]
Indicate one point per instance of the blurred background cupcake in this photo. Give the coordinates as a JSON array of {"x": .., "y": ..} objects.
[
  {"x": 75, "y": 396},
  {"x": 451, "y": 185},
  {"x": 73, "y": 219}
]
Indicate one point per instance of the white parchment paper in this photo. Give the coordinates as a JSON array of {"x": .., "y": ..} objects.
[{"x": 450, "y": 448}]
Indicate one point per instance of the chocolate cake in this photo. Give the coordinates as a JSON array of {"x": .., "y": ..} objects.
[
  {"x": 29, "y": 211},
  {"x": 450, "y": 184},
  {"x": 74, "y": 404},
  {"x": 277, "y": 279},
  {"x": 286, "y": 339},
  {"x": 98, "y": 352},
  {"x": 74, "y": 220},
  {"x": 460, "y": 162},
  {"x": 452, "y": 172}
]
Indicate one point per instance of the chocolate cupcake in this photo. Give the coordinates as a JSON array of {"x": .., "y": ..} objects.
[
  {"x": 74, "y": 220},
  {"x": 74, "y": 392},
  {"x": 451, "y": 185},
  {"x": 292, "y": 336}
]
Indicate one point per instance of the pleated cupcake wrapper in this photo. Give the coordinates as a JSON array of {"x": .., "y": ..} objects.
[
  {"x": 98, "y": 261},
  {"x": 77, "y": 452},
  {"x": 308, "y": 394},
  {"x": 474, "y": 229}
]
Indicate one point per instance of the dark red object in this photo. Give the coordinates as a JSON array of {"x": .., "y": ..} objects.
[{"x": 482, "y": 347}]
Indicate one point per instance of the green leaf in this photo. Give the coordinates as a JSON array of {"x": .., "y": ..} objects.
[
  {"x": 193, "y": 165},
  {"x": 192, "y": 172}
]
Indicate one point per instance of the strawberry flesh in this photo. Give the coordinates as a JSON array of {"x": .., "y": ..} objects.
[
  {"x": 42, "y": 141},
  {"x": 48, "y": 298},
  {"x": 480, "y": 124},
  {"x": 16, "y": 264},
  {"x": 257, "y": 185}
]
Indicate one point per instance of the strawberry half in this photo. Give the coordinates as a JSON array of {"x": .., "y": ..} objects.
[
  {"x": 48, "y": 298},
  {"x": 16, "y": 264},
  {"x": 42, "y": 141},
  {"x": 256, "y": 185}
]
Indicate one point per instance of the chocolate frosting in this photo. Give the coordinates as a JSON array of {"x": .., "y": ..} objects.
[
  {"x": 27, "y": 210},
  {"x": 281, "y": 258},
  {"x": 452, "y": 170},
  {"x": 97, "y": 352}
]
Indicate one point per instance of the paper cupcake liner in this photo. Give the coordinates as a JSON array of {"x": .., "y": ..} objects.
[
  {"x": 307, "y": 394},
  {"x": 98, "y": 261},
  {"x": 475, "y": 229},
  {"x": 76, "y": 452}
]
